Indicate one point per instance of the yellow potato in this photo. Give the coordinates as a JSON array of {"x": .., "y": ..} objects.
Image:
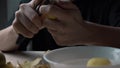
[
  {"x": 51, "y": 17},
  {"x": 93, "y": 62}
]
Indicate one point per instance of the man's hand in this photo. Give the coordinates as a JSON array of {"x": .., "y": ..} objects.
[
  {"x": 68, "y": 26},
  {"x": 27, "y": 22}
]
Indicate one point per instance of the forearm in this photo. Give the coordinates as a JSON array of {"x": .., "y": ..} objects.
[
  {"x": 104, "y": 35},
  {"x": 8, "y": 39}
]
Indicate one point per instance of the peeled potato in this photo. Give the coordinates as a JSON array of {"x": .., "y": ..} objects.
[{"x": 93, "y": 62}]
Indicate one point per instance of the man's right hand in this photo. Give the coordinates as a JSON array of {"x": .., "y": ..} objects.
[{"x": 27, "y": 22}]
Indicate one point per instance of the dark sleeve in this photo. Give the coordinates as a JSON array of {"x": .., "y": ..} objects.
[{"x": 114, "y": 16}]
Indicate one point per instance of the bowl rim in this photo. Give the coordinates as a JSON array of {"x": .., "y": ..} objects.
[{"x": 59, "y": 49}]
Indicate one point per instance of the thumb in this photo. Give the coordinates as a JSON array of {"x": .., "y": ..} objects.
[{"x": 44, "y": 9}]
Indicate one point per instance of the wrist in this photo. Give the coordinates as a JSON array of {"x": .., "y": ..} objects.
[
  {"x": 13, "y": 31},
  {"x": 87, "y": 33}
]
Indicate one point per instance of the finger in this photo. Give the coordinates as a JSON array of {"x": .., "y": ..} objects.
[
  {"x": 52, "y": 10},
  {"x": 32, "y": 16},
  {"x": 20, "y": 29},
  {"x": 54, "y": 25},
  {"x": 34, "y": 3},
  {"x": 27, "y": 23}
]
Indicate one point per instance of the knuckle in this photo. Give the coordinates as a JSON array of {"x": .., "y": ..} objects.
[
  {"x": 22, "y": 5},
  {"x": 17, "y": 13}
]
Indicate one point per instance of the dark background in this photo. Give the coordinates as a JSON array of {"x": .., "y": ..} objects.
[
  {"x": 3, "y": 13},
  {"x": 7, "y": 10}
]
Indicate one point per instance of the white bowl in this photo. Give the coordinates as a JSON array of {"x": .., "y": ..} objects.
[{"x": 77, "y": 57}]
